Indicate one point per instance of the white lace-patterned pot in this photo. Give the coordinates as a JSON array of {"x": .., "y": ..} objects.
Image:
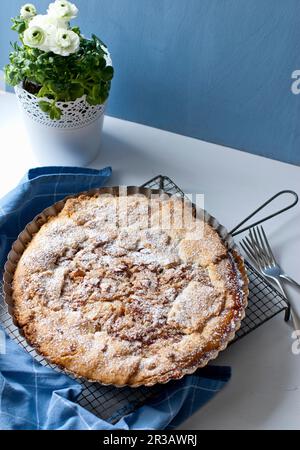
[{"x": 73, "y": 140}]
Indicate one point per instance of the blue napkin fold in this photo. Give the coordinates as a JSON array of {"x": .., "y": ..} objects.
[
  {"x": 36, "y": 397},
  {"x": 38, "y": 189}
]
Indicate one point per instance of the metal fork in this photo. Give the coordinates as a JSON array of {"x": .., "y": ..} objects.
[
  {"x": 258, "y": 239},
  {"x": 258, "y": 249}
]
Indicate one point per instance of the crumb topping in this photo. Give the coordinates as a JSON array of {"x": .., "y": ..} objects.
[{"x": 110, "y": 294}]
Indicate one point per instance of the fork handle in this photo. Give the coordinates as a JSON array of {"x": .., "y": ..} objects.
[
  {"x": 295, "y": 316},
  {"x": 281, "y": 288},
  {"x": 290, "y": 280}
]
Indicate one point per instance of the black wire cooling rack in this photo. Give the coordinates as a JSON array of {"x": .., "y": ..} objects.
[
  {"x": 264, "y": 301},
  {"x": 110, "y": 403}
]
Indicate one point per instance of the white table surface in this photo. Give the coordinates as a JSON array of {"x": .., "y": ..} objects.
[{"x": 264, "y": 392}]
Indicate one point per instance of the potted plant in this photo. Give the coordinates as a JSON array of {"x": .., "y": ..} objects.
[{"x": 62, "y": 81}]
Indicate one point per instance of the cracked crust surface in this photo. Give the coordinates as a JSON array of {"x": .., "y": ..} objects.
[{"x": 111, "y": 292}]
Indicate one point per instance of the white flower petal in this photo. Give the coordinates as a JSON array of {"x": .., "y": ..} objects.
[
  {"x": 62, "y": 9},
  {"x": 34, "y": 37},
  {"x": 48, "y": 23},
  {"x": 65, "y": 43},
  {"x": 27, "y": 11}
]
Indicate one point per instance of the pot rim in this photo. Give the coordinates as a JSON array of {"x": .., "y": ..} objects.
[{"x": 19, "y": 88}]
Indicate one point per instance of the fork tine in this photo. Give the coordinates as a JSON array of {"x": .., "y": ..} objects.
[
  {"x": 272, "y": 258},
  {"x": 252, "y": 240},
  {"x": 262, "y": 243},
  {"x": 250, "y": 248},
  {"x": 260, "y": 250},
  {"x": 250, "y": 252},
  {"x": 247, "y": 252}
]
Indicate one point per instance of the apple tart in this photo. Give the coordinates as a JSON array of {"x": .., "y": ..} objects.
[{"x": 121, "y": 290}]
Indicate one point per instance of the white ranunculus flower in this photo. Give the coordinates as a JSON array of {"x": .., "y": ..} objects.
[
  {"x": 35, "y": 37},
  {"x": 62, "y": 9},
  {"x": 65, "y": 42},
  {"x": 28, "y": 11},
  {"x": 50, "y": 24}
]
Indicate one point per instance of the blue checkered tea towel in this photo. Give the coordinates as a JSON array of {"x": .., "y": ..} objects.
[{"x": 36, "y": 397}]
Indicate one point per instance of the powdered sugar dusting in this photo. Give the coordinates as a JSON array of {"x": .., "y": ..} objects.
[{"x": 99, "y": 284}]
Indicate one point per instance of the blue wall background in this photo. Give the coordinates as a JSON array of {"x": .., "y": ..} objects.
[{"x": 218, "y": 70}]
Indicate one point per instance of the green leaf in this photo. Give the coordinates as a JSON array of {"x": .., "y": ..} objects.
[
  {"x": 19, "y": 25},
  {"x": 55, "y": 112},
  {"x": 107, "y": 73},
  {"x": 45, "y": 106},
  {"x": 97, "y": 40},
  {"x": 76, "y": 91},
  {"x": 76, "y": 30}
]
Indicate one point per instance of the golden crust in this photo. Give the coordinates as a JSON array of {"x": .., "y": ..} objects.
[{"x": 109, "y": 291}]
